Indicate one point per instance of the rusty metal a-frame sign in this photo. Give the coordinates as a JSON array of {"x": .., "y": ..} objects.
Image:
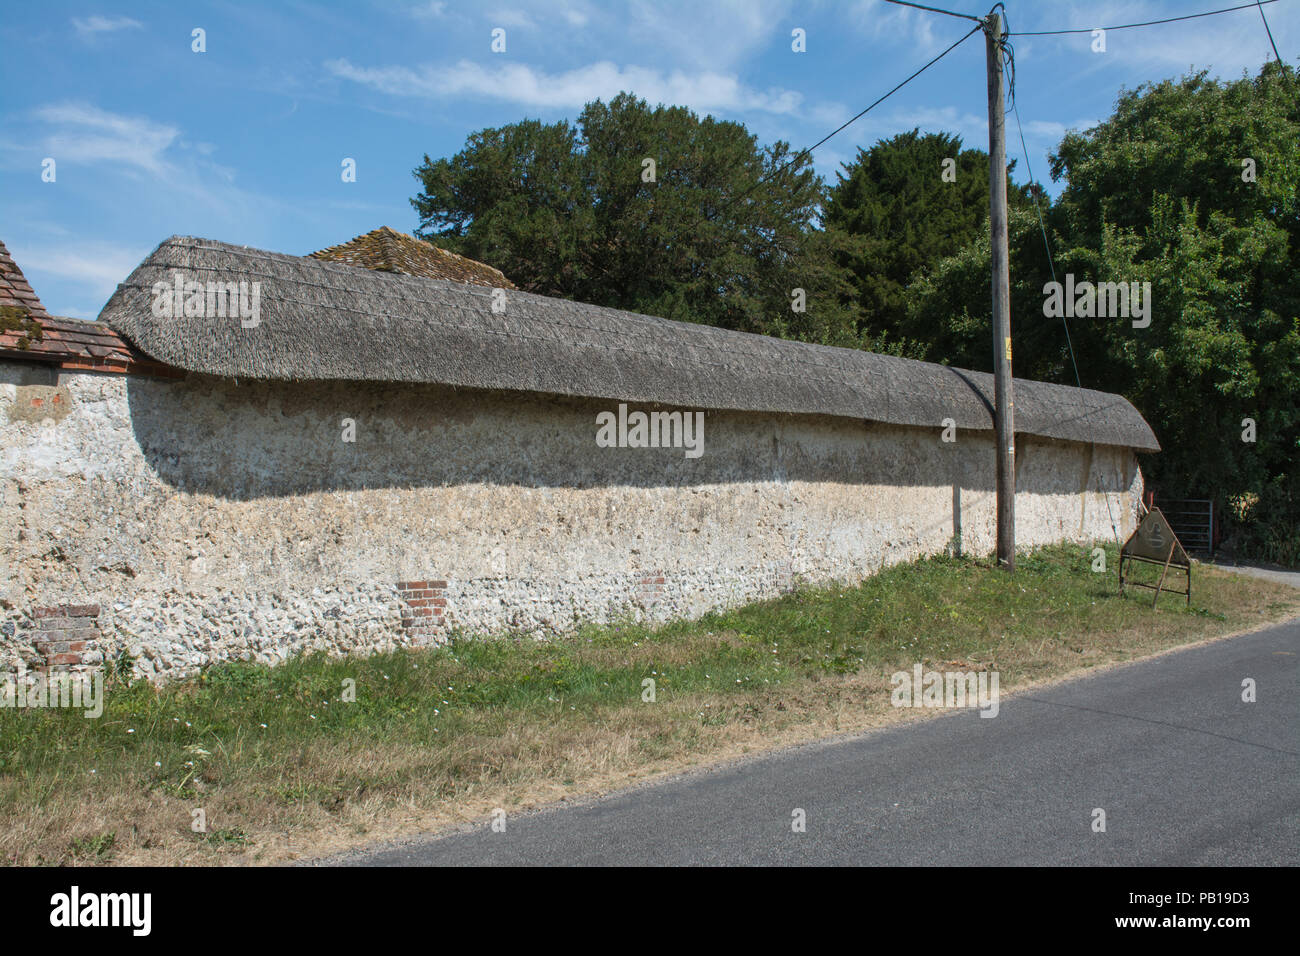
[{"x": 1154, "y": 542}]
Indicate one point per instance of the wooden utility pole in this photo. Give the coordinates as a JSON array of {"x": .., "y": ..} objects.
[{"x": 1004, "y": 419}]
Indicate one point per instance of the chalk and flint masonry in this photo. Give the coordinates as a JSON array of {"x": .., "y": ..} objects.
[{"x": 194, "y": 492}]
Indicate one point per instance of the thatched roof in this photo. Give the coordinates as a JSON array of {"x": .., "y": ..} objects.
[
  {"x": 322, "y": 320},
  {"x": 387, "y": 250}
]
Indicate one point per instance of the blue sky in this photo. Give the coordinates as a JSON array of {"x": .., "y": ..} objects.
[{"x": 244, "y": 142}]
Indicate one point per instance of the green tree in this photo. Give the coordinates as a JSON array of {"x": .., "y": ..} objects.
[
  {"x": 902, "y": 206},
  {"x": 722, "y": 235},
  {"x": 950, "y": 304},
  {"x": 1192, "y": 186}
]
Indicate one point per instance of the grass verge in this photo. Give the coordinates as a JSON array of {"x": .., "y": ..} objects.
[{"x": 282, "y": 765}]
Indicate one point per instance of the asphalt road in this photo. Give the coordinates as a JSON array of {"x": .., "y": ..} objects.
[
  {"x": 1267, "y": 572},
  {"x": 1186, "y": 772}
]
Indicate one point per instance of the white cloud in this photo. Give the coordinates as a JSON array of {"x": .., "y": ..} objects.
[
  {"x": 971, "y": 127},
  {"x": 1055, "y": 132},
  {"x": 878, "y": 19},
  {"x": 92, "y": 26},
  {"x": 716, "y": 35},
  {"x": 96, "y": 266},
  {"x": 137, "y": 148},
  {"x": 515, "y": 19},
  {"x": 429, "y": 11},
  {"x": 1225, "y": 44},
  {"x": 575, "y": 17},
  {"x": 518, "y": 83},
  {"x": 87, "y": 134}
]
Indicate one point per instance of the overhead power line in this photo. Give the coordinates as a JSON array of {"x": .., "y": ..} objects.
[
  {"x": 1147, "y": 23},
  {"x": 919, "y": 6},
  {"x": 1260, "y": 7},
  {"x": 889, "y": 94},
  {"x": 807, "y": 151}
]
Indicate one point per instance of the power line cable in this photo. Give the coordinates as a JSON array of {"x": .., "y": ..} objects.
[
  {"x": 1007, "y": 62},
  {"x": 1260, "y": 7},
  {"x": 806, "y": 152},
  {"x": 919, "y": 6},
  {"x": 1146, "y": 23}
]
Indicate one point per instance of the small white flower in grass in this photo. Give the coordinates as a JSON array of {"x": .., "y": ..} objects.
[
  {"x": 263, "y": 726},
  {"x": 130, "y": 730},
  {"x": 188, "y": 724},
  {"x": 94, "y": 771},
  {"x": 313, "y": 716},
  {"x": 157, "y": 763}
]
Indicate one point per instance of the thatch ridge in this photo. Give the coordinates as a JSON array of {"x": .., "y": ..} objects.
[{"x": 324, "y": 320}]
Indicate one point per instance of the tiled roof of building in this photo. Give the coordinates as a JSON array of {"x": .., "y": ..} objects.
[
  {"x": 387, "y": 250},
  {"x": 15, "y": 290},
  {"x": 29, "y": 332},
  {"x": 78, "y": 344}
]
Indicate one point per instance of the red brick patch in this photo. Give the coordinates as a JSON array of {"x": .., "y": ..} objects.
[
  {"x": 65, "y": 635},
  {"x": 650, "y": 589},
  {"x": 422, "y": 608},
  {"x": 67, "y": 610}
]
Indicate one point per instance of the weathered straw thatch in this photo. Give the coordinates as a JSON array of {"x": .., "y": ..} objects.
[
  {"x": 387, "y": 250},
  {"x": 322, "y": 320}
]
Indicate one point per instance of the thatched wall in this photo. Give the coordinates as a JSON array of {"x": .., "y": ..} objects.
[{"x": 206, "y": 519}]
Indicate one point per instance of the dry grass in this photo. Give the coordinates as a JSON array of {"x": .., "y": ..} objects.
[{"x": 441, "y": 737}]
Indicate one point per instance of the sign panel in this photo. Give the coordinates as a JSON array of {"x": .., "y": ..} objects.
[{"x": 1154, "y": 542}]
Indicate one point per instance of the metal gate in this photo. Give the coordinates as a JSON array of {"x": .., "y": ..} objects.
[{"x": 1193, "y": 521}]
